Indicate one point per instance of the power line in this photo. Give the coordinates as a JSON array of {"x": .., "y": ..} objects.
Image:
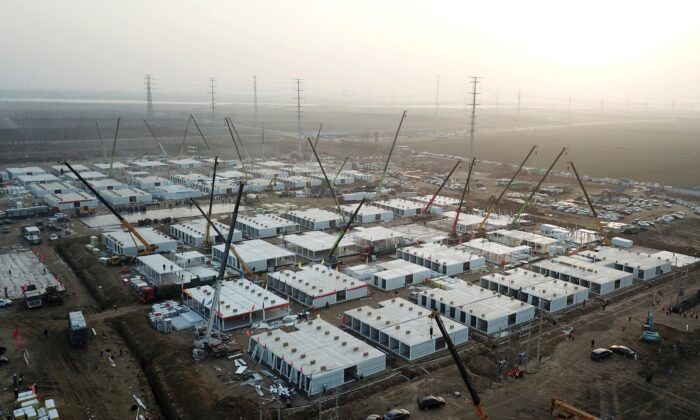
[
  {"x": 149, "y": 97},
  {"x": 472, "y": 126}
]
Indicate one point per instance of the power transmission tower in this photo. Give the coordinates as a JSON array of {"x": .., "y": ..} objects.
[
  {"x": 255, "y": 96},
  {"x": 472, "y": 129},
  {"x": 299, "y": 98},
  {"x": 437, "y": 94},
  {"x": 149, "y": 97},
  {"x": 213, "y": 106}
]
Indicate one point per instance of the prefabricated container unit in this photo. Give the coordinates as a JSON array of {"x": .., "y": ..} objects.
[
  {"x": 194, "y": 233},
  {"x": 88, "y": 176},
  {"x": 643, "y": 266},
  {"x": 148, "y": 182},
  {"x": 148, "y": 165},
  {"x": 260, "y": 185},
  {"x": 126, "y": 196},
  {"x": 104, "y": 184},
  {"x": 600, "y": 279},
  {"x": 190, "y": 180},
  {"x": 26, "y": 180},
  {"x": 158, "y": 270},
  {"x": 260, "y": 256},
  {"x": 622, "y": 242},
  {"x": 265, "y": 226},
  {"x": 65, "y": 202},
  {"x": 399, "y": 326},
  {"x": 400, "y": 207},
  {"x": 315, "y": 219},
  {"x": 241, "y": 304},
  {"x": 540, "y": 291},
  {"x": 341, "y": 179},
  {"x": 264, "y": 173},
  {"x": 77, "y": 328},
  {"x": 221, "y": 187},
  {"x": 315, "y": 245},
  {"x": 27, "y": 170},
  {"x": 441, "y": 258},
  {"x": 60, "y": 170},
  {"x": 495, "y": 252},
  {"x": 480, "y": 309},
  {"x": 124, "y": 243},
  {"x": 540, "y": 244},
  {"x": 379, "y": 238},
  {"x": 317, "y": 286},
  {"x": 362, "y": 272},
  {"x": 441, "y": 201},
  {"x": 397, "y": 274},
  {"x": 175, "y": 192},
  {"x": 117, "y": 167},
  {"x": 42, "y": 190},
  {"x": 317, "y": 357},
  {"x": 367, "y": 214},
  {"x": 295, "y": 182},
  {"x": 185, "y": 163}
]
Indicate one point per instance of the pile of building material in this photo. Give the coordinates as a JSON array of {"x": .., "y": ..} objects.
[
  {"x": 30, "y": 407},
  {"x": 168, "y": 315}
]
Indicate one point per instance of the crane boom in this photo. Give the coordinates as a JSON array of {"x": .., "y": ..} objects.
[
  {"x": 102, "y": 146},
  {"x": 244, "y": 266},
  {"x": 430, "y": 203},
  {"x": 187, "y": 129},
  {"x": 207, "y": 240},
  {"x": 391, "y": 151},
  {"x": 149, "y": 248},
  {"x": 476, "y": 400},
  {"x": 341, "y": 169},
  {"x": 240, "y": 140},
  {"x": 200, "y": 131},
  {"x": 330, "y": 185},
  {"x": 601, "y": 228},
  {"x": 222, "y": 269},
  {"x": 344, "y": 231},
  {"x": 516, "y": 219},
  {"x": 114, "y": 146},
  {"x": 465, "y": 193},
  {"x": 318, "y": 134},
  {"x": 238, "y": 151},
  {"x": 570, "y": 409},
  {"x": 162, "y": 149},
  {"x": 495, "y": 203}
]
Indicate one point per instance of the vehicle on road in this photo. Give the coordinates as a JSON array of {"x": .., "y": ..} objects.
[
  {"x": 623, "y": 350},
  {"x": 5, "y": 302},
  {"x": 4, "y": 360},
  {"x": 600, "y": 354},
  {"x": 430, "y": 401},
  {"x": 53, "y": 237},
  {"x": 396, "y": 414}
]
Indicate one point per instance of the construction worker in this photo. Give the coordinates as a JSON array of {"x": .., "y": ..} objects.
[{"x": 592, "y": 343}]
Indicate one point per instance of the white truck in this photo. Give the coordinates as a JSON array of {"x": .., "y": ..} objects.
[{"x": 32, "y": 234}]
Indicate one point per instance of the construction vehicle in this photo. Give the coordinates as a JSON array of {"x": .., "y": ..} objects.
[
  {"x": 328, "y": 182},
  {"x": 476, "y": 400},
  {"x": 492, "y": 207},
  {"x": 516, "y": 218},
  {"x": 192, "y": 149},
  {"x": 32, "y": 297},
  {"x": 601, "y": 228},
  {"x": 649, "y": 334},
  {"x": 207, "y": 343},
  {"x": 465, "y": 194},
  {"x": 148, "y": 248},
  {"x": 331, "y": 258},
  {"x": 145, "y": 293},
  {"x": 432, "y": 199},
  {"x": 52, "y": 296},
  {"x": 568, "y": 411},
  {"x": 77, "y": 328}
]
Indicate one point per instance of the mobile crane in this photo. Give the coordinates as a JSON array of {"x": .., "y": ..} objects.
[
  {"x": 207, "y": 239},
  {"x": 148, "y": 248},
  {"x": 465, "y": 193},
  {"x": 331, "y": 259},
  {"x": 328, "y": 182},
  {"x": 153, "y": 133},
  {"x": 432, "y": 199},
  {"x": 516, "y": 218},
  {"x": 601, "y": 228},
  {"x": 388, "y": 159},
  {"x": 476, "y": 400},
  {"x": 492, "y": 207}
]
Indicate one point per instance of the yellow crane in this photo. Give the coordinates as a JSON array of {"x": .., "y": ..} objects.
[
  {"x": 601, "y": 228},
  {"x": 148, "y": 248}
]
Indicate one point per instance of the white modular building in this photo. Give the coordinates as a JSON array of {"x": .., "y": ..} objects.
[
  {"x": 221, "y": 187},
  {"x": 124, "y": 243},
  {"x": 400, "y": 207},
  {"x": 600, "y": 279},
  {"x": 230, "y": 175},
  {"x": 538, "y": 290},
  {"x": 315, "y": 219},
  {"x": 296, "y": 182},
  {"x": 264, "y": 173},
  {"x": 418, "y": 233},
  {"x": 402, "y": 328},
  {"x": 441, "y": 258},
  {"x": 158, "y": 270},
  {"x": 117, "y": 168},
  {"x": 677, "y": 260},
  {"x": 185, "y": 163},
  {"x": 194, "y": 232},
  {"x": 367, "y": 213},
  {"x": 362, "y": 272},
  {"x": 259, "y": 256},
  {"x": 440, "y": 204},
  {"x": 126, "y": 196},
  {"x": 148, "y": 182},
  {"x": 317, "y": 357},
  {"x": 316, "y": 286},
  {"x": 396, "y": 274},
  {"x": 314, "y": 245},
  {"x": 148, "y": 165},
  {"x": 261, "y": 184},
  {"x": 68, "y": 201},
  {"x": 469, "y": 222},
  {"x": 497, "y": 253},
  {"x": 241, "y": 303},
  {"x": 88, "y": 176},
  {"x": 540, "y": 244},
  {"x": 379, "y": 238},
  {"x": 643, "y": 266},
  {"x": 265, "y": 226},
  {"x": 190, "y": 180},
  {"x": 104, "y": 184},
  {"x": 39, "y": 178},
  {"x": 359, "y": 176},
  {"x": 341, "y": 179},
  {"x": 60, "y": 170},
  {"x": 480, "y": 309},
  {"x": 42, "y": 190},
  {"x": 174, "y": 192},
  {"x": 27, "y": 170},
  {"x": 273, "y": 164}
]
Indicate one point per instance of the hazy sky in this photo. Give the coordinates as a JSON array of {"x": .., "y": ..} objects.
[{"x": 357, "y": 50}]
